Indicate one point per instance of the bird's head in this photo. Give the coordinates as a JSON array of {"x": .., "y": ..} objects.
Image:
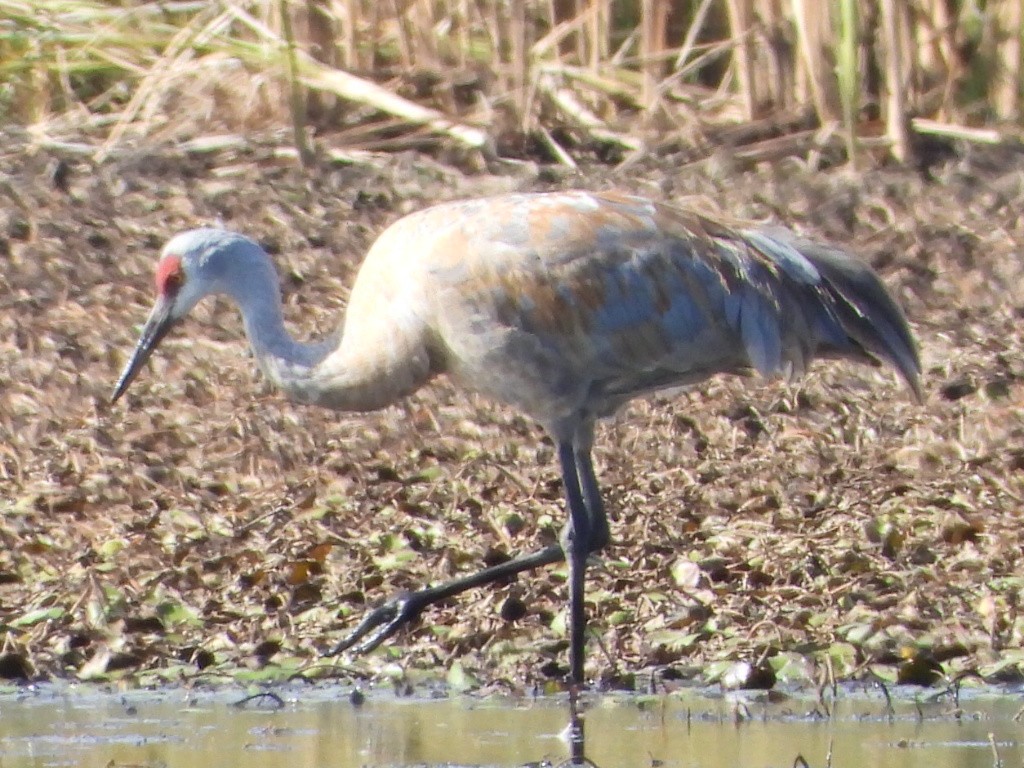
[{"x": 192, "y": 265}]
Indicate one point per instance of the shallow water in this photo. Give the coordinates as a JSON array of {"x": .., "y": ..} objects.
[{"x": 84, "y": 728}]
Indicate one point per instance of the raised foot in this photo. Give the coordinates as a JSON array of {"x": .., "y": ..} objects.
[{"x": 382, "y": 622}]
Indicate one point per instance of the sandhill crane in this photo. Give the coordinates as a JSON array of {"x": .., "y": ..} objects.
[{"x": 563, "y": 305}]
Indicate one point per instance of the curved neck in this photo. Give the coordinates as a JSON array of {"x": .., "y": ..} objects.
[
  {"x": 325, "y": 372},
  {"x": 286, "y": 362}
]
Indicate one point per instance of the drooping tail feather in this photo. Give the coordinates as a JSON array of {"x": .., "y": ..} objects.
[{"x": 865, "y": 308}]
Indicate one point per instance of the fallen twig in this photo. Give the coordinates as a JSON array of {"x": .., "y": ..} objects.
[{"x": 963, "y": 132}]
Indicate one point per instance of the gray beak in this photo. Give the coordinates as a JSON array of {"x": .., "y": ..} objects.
[{"x": 157, "y": 325}]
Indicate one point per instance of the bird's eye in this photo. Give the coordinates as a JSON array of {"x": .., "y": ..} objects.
[
  {"x": 169, "y": 275},
  {"x": 173, "y": 281}
]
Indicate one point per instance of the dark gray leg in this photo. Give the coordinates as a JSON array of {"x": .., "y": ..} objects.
[
  {"x": 585, "y": 533},
  {"x": 388, "y": 617},
  {"x": 600, "y": 535},
  {"x": 576, "y": 544}
]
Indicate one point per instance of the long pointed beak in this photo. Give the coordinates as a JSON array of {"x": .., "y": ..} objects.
[{"x": 159, "y": 322}]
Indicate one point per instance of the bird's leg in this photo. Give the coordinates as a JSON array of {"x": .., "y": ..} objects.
[
  {"x": 584, "y": 500},
  {"x": 383, "y": 621},
  {"x": 577, "y": 734},
  {"x": 600, "y": 534},
  {"x": 576, "y": 544},
  {"x": 388, "y": 617}
]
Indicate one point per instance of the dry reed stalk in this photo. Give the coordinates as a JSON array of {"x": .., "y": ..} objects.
[
  {"x": 149, "y": 95},
  {"x": 740, "y": 23},
  {"x": 586, "y": 58},
  {"x": 571, "y": 11},
  {"x": 348, "y": 15},
  {"x": 321, "y": 31},
  {"x": 776, "y": 148},
  {"x": 377, "y": 37},
  {"x": 799, "y": 143},
  {"x": 208, "y": 145},
  {"x": 707, "y": 55},
  {"x": 424, "y": 21},
  {"x": 816, "y": 38},
  {"x": 489, "y": 23},
  {"x": 960, "y": 132},
  {"x": 895, "y": 101},
  {"x": 572, "y": 108},
  {"x": 617, "y": 88},
  {"x": 320, "y": 25},
  {"x": 461, "y": 30},
  {"x": 938, "y": 53},
  {"x": 415, "y": 140},
  {"x": 757, "y": 130},
  {"x": 557, "y": 150},
  {"x": 315, "y": 75},
  {"x": 697, "y": 22},
  {"x": 369, "y": 93},
  {"x": 297, "y": 102},
  {"x": 37, "y": 95},
  {"x": 557, "y": 40},
  {"x": 1007, "y": 82},
  {"x": 776, "y": 65},
  {"x": 653, "y": 43},
  {"x": 405, "y": 44},
  {"x": 600, "y": 29},
  {"x": 362, "y": 134},
  {"x": 520, "y": 61},
  {"x": 694, "y": 106},
  {"x": 848, "y": 75},
  {"x": 934, "y": 45}
]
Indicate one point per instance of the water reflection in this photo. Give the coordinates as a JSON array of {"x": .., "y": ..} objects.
[{"x": 322, "y": 728}]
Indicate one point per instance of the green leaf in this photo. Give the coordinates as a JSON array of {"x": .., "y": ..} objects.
[
  {"x": 793, "y": 668},
  {"x": 858, "y": 634},
  {"x": 174, "y": 613},
  {"x": 675, "y": 639},
  {"x": 843, "y": 657},
  {"x": 618, "y": 618},
  {"x": 39, "y": 615},
  {"x": 560, "y": 623},
  {"x": 428, "y": 475},
  {"x": 395, "y": 560},
  {"x": 459, "y": 680},
  {"x": 112, "y": 548}
]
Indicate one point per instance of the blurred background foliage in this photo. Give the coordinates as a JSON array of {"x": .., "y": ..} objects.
[{"x": 551, "y": 77}]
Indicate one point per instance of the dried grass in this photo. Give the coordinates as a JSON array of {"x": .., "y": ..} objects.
[
  {"x": 212, "y": 526},
  {"x": 484, "y": 76}
]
